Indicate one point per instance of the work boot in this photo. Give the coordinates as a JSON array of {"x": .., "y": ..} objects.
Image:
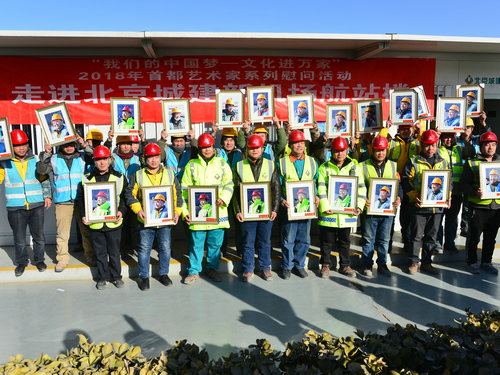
[
  {"x": 325, "y": 271},
  {"x": 118, "y": 283},
  {"x": 347, "y": 271},
  {"x": 267, "y": 275},
  {"x": 214, "y": 275},
  {"x": 412, "y": 269},
  {"x": 144, "y": 283},
  {"x": 285, "y": 274},
  {"x": 41, "y": 266},
  {"x": 190, "y": 279},
  {"x": 165, "y": 280},
  {"x": 101, "y": 284},
  {"x": 19, "y": 270},
  {"x": 473, "y": 268},
  {"x": 60, "y": 266},
  {"x": 384, "y": 270},
  {"x": 300, "y": 272},
  {"x": 488, "y": 267},
  {"x": 247, "y": 276}
]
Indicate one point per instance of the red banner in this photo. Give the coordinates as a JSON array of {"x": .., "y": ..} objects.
[{"x": 86, "y": 84}]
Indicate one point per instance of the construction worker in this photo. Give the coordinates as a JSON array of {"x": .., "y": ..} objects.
[
  {"x": 256, "y": 168},
  {"x": 484, "y": 214},
  {"x": 126, "y": 119},
  {"x": 228, "y": 150},
  {"x": 207, "y": 169},
  {"x": 94, "y": 138},
  {"x": 271, "y": 152},
  {"x": 26, "y": 194},
  {"x": 376, "y": 229},
  {"x": 335, "y": 228},
  {"x": 58, "y": 129},
  {"x": 176, "y": 156},
  {"x": 229, "y": 113},
  {"x": 404, "y": 110},
  {"x": 153, "y": 174},
  {"x": 301, "y": 113},
  {"x": 105, "y": 236},
  {"x": 66, "y": 169},
  {"x": 424, "y": 222},
  {"x": 471, "y": 102},
  {"x": 296, "y": 234}
]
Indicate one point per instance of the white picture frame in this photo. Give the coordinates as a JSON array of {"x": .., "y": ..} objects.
[
  {"x": 255, "y": 200},
  {"x": 432, "y": 195},
  {"x": 260, "y": 101},
  {"x": 340, "y": 202},
  {"x": 382, "y": 194},
  {"x": 338, "y": 120},
  {"x": 404, "y": 106},
  {"x": 301, "y": 198},
  {"x": 423, "y": 106},
  {"x": 121, "y": 122}
]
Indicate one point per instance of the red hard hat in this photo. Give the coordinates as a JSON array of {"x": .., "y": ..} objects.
[
  {"x": 429, "y": 137},
  {"x": 203, "y": 196},
  {"x": 256, "y": 193},
  {"x": 152, "y": 149},
  {"x": 344, "y": 187},
  {"x": 339, "y": 143},
  {"x": 380, "y": 143},
  {"x": 135, "y": 138},
  {"x": 255, "y": 141},
  {"x": 205, "y": 140},
  {"x": 126, "y": 108},
  {"x": 102, "y": 194},
  {"x": 485, "y": 137},
  {"x": 302, "y": 191},
  {"x": 18, "y": 137},
  {"x": 296, "y": 136},
  {"x": 101, "y": 152}
]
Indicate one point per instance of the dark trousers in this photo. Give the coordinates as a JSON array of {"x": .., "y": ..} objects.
[
  {"x": 450, "y": 218},
  {"x": 423, "y": 233},
  {"x": 234, "y": 230},
  {"x": 130, "y": 233},
  {"x": 464, "y": 221},
  {"x": 485, "y": 222},
  {"x": 107, "y": 253},
  {"x": 19, "y": 220},
  {"x": 332, "y": 239}
]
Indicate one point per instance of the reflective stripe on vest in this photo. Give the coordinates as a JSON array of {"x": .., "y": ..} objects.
[
  {"x": 66, "y": 180},
  {"x": 289, "y": 172},
  {"x": 119, "y": 187},
  {"x": 177, "y": 166},
  {"x": 19, "y": 191},
  {"x": 237, "y": 156},
  {"x": 455, "y": 160},
  {"x": 369, "y": 171},
  {"x": 474, "y": 166},
  {"x": 246, "y": 175},
  {"x": 134, "y": 166}
]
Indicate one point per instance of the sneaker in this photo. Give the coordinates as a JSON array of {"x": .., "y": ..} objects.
[
  {"x": 428, "y": 268},
  {"x": 412, "y": 269},
  {"x": 190, "y": 279},
  {"x": 473, "y": 268},
  {"x": 101, "y": 284},
  {"x": 247, "y": 276},
  {"x": 41, "y": 266},
  {"x": 60, "y": 266},
  {"x": 488, "y": 268},
  {"x": 144, "y": 283},
  {"x": 347, "y": 271},
  {"x": 285, "y": 274},
  {"x": 302, "y": 273},
  {"x": 325, "y": 271},
  {"x": 214, "y": 275},
  {"x": 267, "y": 275},
  {"x": 118, "y": 283},
  {"x": 165, "y": 280},
  {"x": 19, "y": 270},
  {"x": 384, "y": 270},
  {"x": 367, "y": 272}
]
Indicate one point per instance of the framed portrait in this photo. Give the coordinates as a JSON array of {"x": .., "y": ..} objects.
[
  {"x": 158, "y": 205},
  {"x": 382, "y": 194},
  {"x": 100, "y": 202},
  {"x": 338, "y": 120},
  {"x": 5, "y": 142},
  {"x": 435, "y": 188},
  {"x": 451, "y": 115},
  {"x": 404, "y": 104},
  {"x": 301, "y": 111},
  {"x": 301, "y": 196},
  {"x": 125, "y": 115},
  {"x": 260, "y": 102},
  {"x": 488, "y": 179},
  {"x": 343, "y": 194},
  {"x": 474, "y": 95},
  {"x": 369, "y": 115},
  {"x": 176, "y": 116},
  {"x": 202, "y": 204},
  {"x": 56, "y": 124},
  {"x": 255, "y": 200},
  {"x": 230, "y": 107},
  {"x": 423, "y": 107}
]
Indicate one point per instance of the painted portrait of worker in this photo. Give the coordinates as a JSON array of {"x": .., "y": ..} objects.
[
  {"x": 157, "y": 205},
  {"x": 56, "y": 124},
  {"x": 435, "y": 188},
  {"x": 474, "y": 95},
  {"x": 342, "y": 193},
  {"x": 260, "y": 103},
  {"x": 382, "y": 194},
  {"x": 202, "y": 204},
  {"x": 100, "y": 202},
  {"x": 338, "y": 120},
  {"x": 125, "y": 116},
  {"x": 300, "y": 111},
  {"x": 403, "y": 105},
  {"x": 489, "y": 180},
  {"x": 451, "y": 114},
  {"x": 255, "y": 201},
  {"x": 5, "y": 144},
  {"x": 301, "y": 199},
  {"x": 176, "y": 116},
  {"x": 369, "y": 115},
  {"x": 230, "y": 107}
]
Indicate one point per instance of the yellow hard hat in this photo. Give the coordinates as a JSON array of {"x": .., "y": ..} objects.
[
  {"x": 229, "y": 132},
  {"x": 123, "y": 139},
  {"x": 385, "y": 188},
  {"x": 406, "y": 99},
  {"x": 302, "y": 104},
  {"x": 454, "y": 107},
  {"x": 175, "y": 109},
  {"x": 260, "y": 129},
  {"x": 261, "y": 96},
  {"x": 229, "y": 101},
  {"x": 370, "y": 109},
  {"x": 470, "y": 93},
  {"x": 469, "y": 122},
  {"x": 159, "y": 197},
  {"x": 56, "y": 116},
  {"x": 341, "y": 113},
  {"x": 437, "y": 181},
  {"x": 494, "y": 171},
  {"x": 94, "y": 134}
]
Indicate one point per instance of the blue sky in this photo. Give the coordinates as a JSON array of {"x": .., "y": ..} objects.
[{"x": 426, "y": 17}]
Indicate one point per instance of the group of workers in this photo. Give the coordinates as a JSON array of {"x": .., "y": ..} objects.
[{"x": 247, "y": 156}]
